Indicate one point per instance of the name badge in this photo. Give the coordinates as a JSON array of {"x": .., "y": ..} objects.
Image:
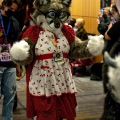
[
  {"x": 58, "y": 57},
  {"x": 5, "y": 52}
]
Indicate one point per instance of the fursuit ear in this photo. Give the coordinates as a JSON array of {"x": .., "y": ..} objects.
[
  {"x": 38, "y": 3},
  {"x": 67, "y": 2}
]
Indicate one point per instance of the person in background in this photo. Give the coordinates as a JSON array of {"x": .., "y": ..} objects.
[
  {"x": 20, "y": 17},
  {"x": 111, "y": 36},
  {"x": 104, "y": 18},
  {"x": 109, "y": 18},
  {"x": 24, "y": 14},
  {"x": 111, "y": 110},
  {"x": 115, "y": 14},
  {"x": 9, "y": 32},
  {"x": 29, "y": 14},
  {"x": 80, "y": 30},
  {"x": 72, "y": 22},
  {"x": 23, "y": 17},
  {"x": 80, "y": 65},
  {"x": 21, "y": 14}
]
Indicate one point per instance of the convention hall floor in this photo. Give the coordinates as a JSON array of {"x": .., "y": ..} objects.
[{"x": 90, "y": 99}]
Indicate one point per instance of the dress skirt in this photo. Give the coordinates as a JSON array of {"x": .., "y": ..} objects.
[{"x": 51, "y": 108}]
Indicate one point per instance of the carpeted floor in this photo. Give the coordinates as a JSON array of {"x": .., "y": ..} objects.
[{"x": 90, "y": 99}]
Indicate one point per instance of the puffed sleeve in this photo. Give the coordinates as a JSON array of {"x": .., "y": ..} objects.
[
  {"x": 68, "y": 33},
  {"x": 32, "y": 33},
  {"x": 30, "y": 36}
]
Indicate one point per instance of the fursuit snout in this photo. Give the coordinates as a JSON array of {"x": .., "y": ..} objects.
[{"x": 57, "y": 22}]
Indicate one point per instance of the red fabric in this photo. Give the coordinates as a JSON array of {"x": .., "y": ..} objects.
[
  {"x": 48, "y": 56},
  {"x": 27, "y": 17},
  {"x": 82, "y": 62},
  {"x": 29, "y": 104},
  {"x": 50, "y": 108},
  {"x": 32, "y": 32},
  {"x": 68, "y": 33},
  {"x": 54, "y": 107},
  {"x": 28, "y": 33}
]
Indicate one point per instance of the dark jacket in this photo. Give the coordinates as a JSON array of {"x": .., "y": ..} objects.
[
  {"x": 103, "y": 26},
  {"x": 13, "y": 35}
]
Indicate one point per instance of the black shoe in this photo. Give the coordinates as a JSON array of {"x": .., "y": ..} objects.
[
  {"x": 79, "y": 75},
  {"x": 95, "y": 78}
]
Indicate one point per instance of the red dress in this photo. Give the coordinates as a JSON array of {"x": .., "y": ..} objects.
[{"x": 51, "y": 107}]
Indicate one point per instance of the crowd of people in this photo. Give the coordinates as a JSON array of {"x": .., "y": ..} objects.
[{"x": 89, "y": 67}]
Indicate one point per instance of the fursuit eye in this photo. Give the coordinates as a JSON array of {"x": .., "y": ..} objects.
[
  {"x": 62, "y": 15},
  {"x": 51, "y": 15}
]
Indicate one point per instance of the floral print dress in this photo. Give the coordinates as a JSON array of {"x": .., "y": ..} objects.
[
  {"x": 50, "y": 86},
  {"x": 48, "y": 76}
]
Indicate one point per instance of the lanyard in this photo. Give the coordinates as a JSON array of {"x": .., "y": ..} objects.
[{"x": 8, "y": 28}]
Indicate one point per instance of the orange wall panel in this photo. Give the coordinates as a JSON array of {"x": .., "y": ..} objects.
[
  {"x": 76, "y": 7},
  {"x": 88, "y": 10},
  {"x": 1, "y": 1}
]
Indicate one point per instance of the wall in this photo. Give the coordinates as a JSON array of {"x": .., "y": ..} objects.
[
  {"x": 112, "y": 1},
  {"x": 88, "y": 10},
  {"x": 1, "y": 1}
]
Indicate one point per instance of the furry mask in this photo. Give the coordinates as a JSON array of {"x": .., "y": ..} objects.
[{"x": 51, "y": 14}]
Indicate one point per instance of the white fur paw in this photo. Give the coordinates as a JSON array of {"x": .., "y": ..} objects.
[
  {"x": 95, "y": 44},
  {"x": 20, "y": 50}
]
